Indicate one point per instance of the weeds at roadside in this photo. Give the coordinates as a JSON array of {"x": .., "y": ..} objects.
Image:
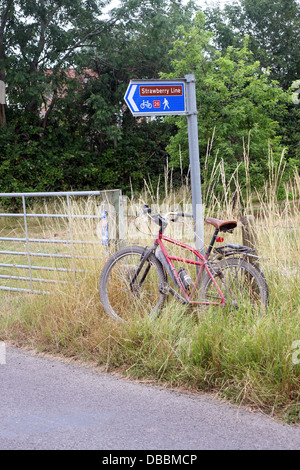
[{"x": 245, "y": 358}]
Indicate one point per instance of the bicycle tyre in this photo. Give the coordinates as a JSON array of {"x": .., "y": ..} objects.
[
  {"x": 242, "y": 283},
  {"x": 119, "y": 300}
]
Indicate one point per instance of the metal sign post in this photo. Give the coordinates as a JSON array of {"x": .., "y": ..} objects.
[
  {"x": 194, "y": 161},
  {"x": 173, "y": 97}
]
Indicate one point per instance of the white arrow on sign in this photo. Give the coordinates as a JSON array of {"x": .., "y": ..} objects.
[{"x": 130, "y": 98}]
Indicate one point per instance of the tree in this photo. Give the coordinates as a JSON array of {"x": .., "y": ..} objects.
[
  {"x": 273, "y": 29},
  {"x": 146, "y": 29},
  {"x": 137, "y": 46},
  {"x": 274, "y": 36},
  {"x": 39, "y": 41},
  {"x": 45, "y": 35},
  {"x": 85, "y": 138},
  {"x": 235, "y": 100}
]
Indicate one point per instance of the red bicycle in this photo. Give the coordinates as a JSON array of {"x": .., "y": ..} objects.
[{"x": 135, "y": 279}]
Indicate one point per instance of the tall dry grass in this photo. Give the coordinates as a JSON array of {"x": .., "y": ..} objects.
[{"x": 247, "y": 358}]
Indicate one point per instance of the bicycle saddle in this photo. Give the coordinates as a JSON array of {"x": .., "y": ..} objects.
[{"x": 222, "y": 225}]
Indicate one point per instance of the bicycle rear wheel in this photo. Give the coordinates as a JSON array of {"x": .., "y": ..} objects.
[
  {"x": 242, "y": 284},
  {"x": 122, "y": 293}
]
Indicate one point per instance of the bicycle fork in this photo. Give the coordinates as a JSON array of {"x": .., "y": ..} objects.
[
  {"x": 143, "y": 261},
  {"x": 163, "y": 289}
]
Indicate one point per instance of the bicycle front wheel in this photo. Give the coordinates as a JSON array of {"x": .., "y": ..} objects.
[
  {"x": 123, "y": 292},
  {"x": 242, "y": 284}
]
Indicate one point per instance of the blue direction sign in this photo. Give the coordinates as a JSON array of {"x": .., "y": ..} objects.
[{"x": 156, "y": 97}]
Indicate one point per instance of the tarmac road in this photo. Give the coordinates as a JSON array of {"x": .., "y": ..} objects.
[{"x": 50, "y": 404}]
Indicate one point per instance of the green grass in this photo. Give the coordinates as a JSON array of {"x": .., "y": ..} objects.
[{"x": 243, "y": 357}]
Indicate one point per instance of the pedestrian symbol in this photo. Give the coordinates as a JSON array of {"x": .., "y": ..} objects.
[{"x": 166, "y": 104}]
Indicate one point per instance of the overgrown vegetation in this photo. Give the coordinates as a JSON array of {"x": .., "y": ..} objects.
[
  {"x": 65, "y": 126},
  {"x": 66, "y": 68},
  {"x": 245, "y": 357}
]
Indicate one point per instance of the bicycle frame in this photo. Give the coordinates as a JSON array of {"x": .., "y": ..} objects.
[
  {"x": 201, "y": 264},
  {"x": 228, "y": 266}
]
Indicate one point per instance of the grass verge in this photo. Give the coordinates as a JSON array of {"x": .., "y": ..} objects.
[{"x": 248, "y": 359}]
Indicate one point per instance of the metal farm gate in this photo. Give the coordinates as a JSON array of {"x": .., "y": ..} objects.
[{"x": 27, "y": 228}]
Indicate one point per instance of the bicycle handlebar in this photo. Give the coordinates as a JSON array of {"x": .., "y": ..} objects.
[
  {"x": 179, "y": 214},
  {"x": 157, "y": 218}
]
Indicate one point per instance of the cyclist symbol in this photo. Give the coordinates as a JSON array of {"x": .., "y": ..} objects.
[{"x": 145, "y": 104}]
